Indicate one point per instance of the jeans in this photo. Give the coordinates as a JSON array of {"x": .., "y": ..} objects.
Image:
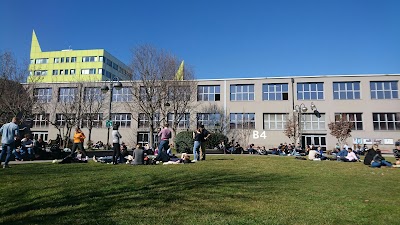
[
  {"x": 116, "y": 152},
  {"x": 196, "y": 152},
  {"x": 80, "y": 147},
  {"x": 203, "y": 150},
  {"x": 19, "y": 154},
  {"x": 382, "y": 163},
  {"x": 163, "y": 146},
  {"x": 7, "y": 148},
  {"x": 31, "y": 153}
]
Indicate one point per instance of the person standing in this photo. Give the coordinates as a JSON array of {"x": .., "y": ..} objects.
[
  {"x": 9, "y": 132},
  {"x": 206, "y": 135},
  {"x": 116, "y": 136},
  {"x": 79, "y": 138},
  {"x": 165, "y": 135},
  {"x": 198, "y": 138}
]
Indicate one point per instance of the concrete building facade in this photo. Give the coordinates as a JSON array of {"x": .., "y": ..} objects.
[{"x": 261, "y": 106}]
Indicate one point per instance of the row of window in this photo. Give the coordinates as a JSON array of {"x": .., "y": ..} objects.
[
  {"x": 305, "y": 91},
  {"x": 271, "y": 92},
  {"x": 103, "y": 59},
  {"x": 73, "y": 72},
  {"x": 271, "y": 121}
]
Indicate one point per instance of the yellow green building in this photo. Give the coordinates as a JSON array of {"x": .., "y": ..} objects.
[{"x": 74, "y": 65}]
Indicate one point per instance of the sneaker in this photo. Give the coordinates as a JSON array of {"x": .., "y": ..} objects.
[{"x": 6, "y": 166}]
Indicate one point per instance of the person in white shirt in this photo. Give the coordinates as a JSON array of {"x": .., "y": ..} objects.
[{"x": 351, "y": 156}]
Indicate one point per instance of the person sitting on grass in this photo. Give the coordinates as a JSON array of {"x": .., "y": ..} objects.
[
  {"x": 351, "y": 156},
  {"x": 370, "y": 155},
  {"x": 313, "y": 155},
  {"x": 138, "y": 155},
  {"x": 379, "y": 161},
  {"x": 342, "y": 154}
]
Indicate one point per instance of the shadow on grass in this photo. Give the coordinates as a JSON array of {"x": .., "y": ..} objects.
[{"x": 70, "y": 195}]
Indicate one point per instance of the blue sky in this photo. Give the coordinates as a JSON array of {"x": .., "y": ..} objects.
[{"x": 220, "y": 38}]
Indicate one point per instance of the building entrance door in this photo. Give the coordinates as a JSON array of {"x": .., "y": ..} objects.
[{"x": 314, "y": 139}]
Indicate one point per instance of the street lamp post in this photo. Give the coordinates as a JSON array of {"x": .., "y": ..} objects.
[
  {"x": 105, "y": 88},
  {"x": 300, "y": 110}
]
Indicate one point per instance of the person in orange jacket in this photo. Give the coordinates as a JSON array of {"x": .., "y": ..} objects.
[{"x": 79, "y": 138}]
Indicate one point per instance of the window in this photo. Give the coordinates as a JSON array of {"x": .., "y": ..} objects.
[
  {"x": 56, "y": 60},
  {"x": 310, "y": 122},
  {"x": 67, "y": 59},
  {"x": 183, "y": 118},
  {"x": 210, "y": 120},
  {"x": 101, "y": 71},
  {"x": 66, "y": 72},
  {"x": 43, "y": 95},
  {"x": 143, "y": 138},
  {"x": 149, "y": 94},
  {"x": 273, "y": 92},
  {"x": 41, "y": 121},
  {"x": 32, "y": 61},
  {"x": 55, "y": 72},
  {"x": 62, "y": 60},
  {"x": 346, "y": 90},
  {"x": 109, "y": 62},
  {"x": 101, "y": 58},
  {"x": 67, "y": 94},
  {"x": 40, "y": 72},
  {"x": 384, "y": 90},
  {"x": 208, "y": 93},
  {"x": 179, "y": 93},
  {"x": 108, "y": 74},
  {"x": 356, "y": 118},
  {"x": 41, "y": 61},
  {"x": 310, "y": 91},
  {"x": 63, "y": 119},
  {"x": 144, "y": 121},
  {"x": 123, "y": 119},
  {"x": 38, "y": 134},
  {"x": 96, "y": 120},
  {"x": 72, "y": 71},
  {"x": 89, "y": 59},
  {"x": 386, "y": 121},
  {"x": 88, "y": 71},
  {"x": 61, "y": 72},
  {"x": 275, "y": 121},
  {"x": 73, "y": 59},
  {"x": 124, "y": 94},
  {"x": 242, "y": 121},
  {"x": 93, "y": 94},
  {"x": 242, "y": 92},
  {"x": 115, "y": 66}
]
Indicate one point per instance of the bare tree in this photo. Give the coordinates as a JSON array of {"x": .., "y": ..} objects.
[
  {"x": 92, "y": 105},
  {"x": 341, "y": 129},
  {"x": 180, "y": 97},
  {"x": 155, "y": 89},
  {"x": 218, "y": 119},
  {"x": 15, "y": 98},
  {"x": 292, "y": 129}
]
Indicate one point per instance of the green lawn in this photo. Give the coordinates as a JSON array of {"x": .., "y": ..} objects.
[{"x": 222, "y": 190}]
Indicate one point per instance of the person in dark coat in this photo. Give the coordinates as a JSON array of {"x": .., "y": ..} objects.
[{"x": 370, "y": 155}]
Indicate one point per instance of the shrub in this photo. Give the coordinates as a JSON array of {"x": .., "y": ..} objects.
[
  {"x": 215, "y": 139},
  {"x": 184, "y": 142}
]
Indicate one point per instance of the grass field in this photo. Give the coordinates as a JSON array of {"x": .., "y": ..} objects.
[{"x": 222, "y": 190}]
